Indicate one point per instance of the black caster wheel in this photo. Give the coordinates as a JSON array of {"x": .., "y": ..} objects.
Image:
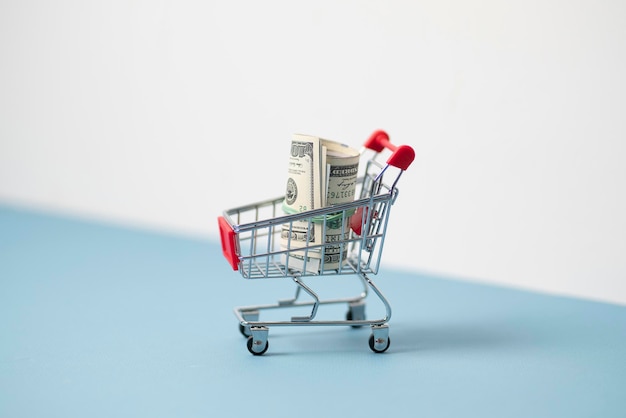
[
  {"x": 376, "y": 350},
  {"x": 245, "y": 332},
  {"x": 251, "y": 343},
  {"x": 350, "y": 317}
]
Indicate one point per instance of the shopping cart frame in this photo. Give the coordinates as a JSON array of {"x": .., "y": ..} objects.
[{"x": 250, "y": 243}]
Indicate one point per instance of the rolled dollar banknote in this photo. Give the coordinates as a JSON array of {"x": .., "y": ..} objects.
[
  {"x": 342, "y": 166},
  {"x": 304, "y": 190},
  {"x": 321, "y": 173}
]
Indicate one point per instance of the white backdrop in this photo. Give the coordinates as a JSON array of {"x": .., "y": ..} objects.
[{"x": 163, "y": 113}]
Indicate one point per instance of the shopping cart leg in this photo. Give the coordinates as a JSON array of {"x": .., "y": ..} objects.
[
  {"x": 382, "y": 298},
  {"x": 379, "y": 340}
]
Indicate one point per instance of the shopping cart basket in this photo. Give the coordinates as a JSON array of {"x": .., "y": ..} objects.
[{"x": 252, "y": 244}]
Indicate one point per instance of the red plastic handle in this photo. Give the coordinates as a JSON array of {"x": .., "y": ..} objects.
[
  {"x": 359, "y": 219},
  {"x": 402, "y": 155},
  {"x": 229, "y": 246}
]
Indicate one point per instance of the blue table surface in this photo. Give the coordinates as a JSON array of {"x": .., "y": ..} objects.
[{"x": 100, "y": 320}]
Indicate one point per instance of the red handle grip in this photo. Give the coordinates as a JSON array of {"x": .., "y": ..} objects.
[
  {"x": 402, "y": 155},
  {"x": 229, "y": 246}
]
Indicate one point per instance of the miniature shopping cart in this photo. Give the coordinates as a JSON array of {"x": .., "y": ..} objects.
[{"x": 252, "y": 243}]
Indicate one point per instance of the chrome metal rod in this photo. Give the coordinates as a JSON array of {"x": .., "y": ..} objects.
[{"x": 315, "y": 304}]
